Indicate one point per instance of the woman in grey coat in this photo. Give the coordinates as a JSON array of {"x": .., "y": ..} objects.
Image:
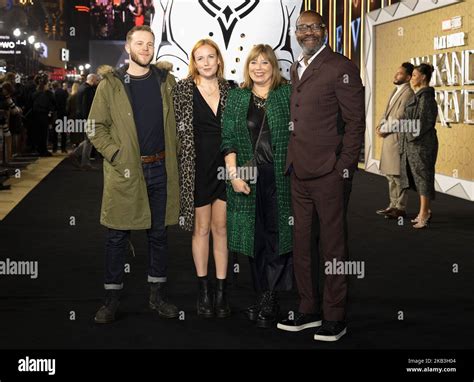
[{"x": 419, "y": 143}]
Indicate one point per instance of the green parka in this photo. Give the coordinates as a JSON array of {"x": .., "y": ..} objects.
[{"x": 111, "y": 127}]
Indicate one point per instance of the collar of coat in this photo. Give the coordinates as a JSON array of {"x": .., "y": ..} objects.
[
  {"x": 428, "y": 90},
  {"x": 188, "y": 82},
  {"x": 121, "y": 73},
  {"x": 159, "y": 72},
  {"x": 314, "y": 65}
]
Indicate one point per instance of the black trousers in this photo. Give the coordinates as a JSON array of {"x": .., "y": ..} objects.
[
  {"x": 41, "y": 131},
  {"x": 270, "y": 271}
]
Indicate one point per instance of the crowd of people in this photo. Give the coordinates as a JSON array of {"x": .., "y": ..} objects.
[
  {"x": 39, "y": 117},
  {"x": 112, "y": 20}
]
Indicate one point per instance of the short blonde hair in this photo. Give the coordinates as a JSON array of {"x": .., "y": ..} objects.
[
  {"x": 138, "y": 28},
  {"x": 267, "y": 52},
  {"x": 193, "y": 72}
]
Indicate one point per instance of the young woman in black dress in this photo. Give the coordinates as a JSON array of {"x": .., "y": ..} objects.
[{"x": 199, "y": 101}]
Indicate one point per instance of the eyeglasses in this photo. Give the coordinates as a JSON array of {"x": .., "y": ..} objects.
[{"x": 303, "y": 28}]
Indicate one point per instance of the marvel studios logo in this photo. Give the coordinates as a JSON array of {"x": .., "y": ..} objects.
[{"x": 452, "y": 23}]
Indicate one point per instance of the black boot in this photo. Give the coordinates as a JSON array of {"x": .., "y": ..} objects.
[
  {"x": 158, "y": 301},
  {"x": 204, "y": 302},
  {"x": 253, "y": 311},
  {"x": 106, "y": 313},
  {"x": 221, "y": 304},
  {"x": 269, "y": 313}
]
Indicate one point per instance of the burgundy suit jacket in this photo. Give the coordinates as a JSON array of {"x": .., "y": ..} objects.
[{"x": 328, "y": 117}]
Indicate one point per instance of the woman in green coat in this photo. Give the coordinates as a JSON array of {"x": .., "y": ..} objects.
[{"x": 256, "y": 125}]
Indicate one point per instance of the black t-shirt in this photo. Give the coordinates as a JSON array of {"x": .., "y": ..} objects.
[{"x": 147, "y": 108}]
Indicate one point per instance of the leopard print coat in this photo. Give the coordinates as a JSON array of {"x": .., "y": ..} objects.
[{"x": 183, "y": 106}]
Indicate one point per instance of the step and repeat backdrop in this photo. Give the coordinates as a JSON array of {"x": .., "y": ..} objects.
[
  {"x": 438, "y": 33},
  {"x": 236, "y": 26}
]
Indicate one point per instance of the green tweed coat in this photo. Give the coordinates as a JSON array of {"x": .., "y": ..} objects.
[{"x": 235, "y": 135}]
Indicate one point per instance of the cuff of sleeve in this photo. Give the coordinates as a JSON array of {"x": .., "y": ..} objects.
[
  {"x": 228, "y": 151},
  {"x": 110, "y": 152},
  {"x": 113, "y": 156}
]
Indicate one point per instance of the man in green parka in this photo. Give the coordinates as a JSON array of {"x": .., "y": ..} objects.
[{"x": 132, "y": 125}]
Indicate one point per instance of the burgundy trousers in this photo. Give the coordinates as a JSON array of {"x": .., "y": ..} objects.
[{"x": 326, "y": 199}]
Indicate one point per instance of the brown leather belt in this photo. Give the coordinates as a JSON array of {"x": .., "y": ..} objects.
[{"x": 153, "y": 158}]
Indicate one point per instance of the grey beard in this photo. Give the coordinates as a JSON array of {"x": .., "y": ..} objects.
[{"x": 311, "y": 52}]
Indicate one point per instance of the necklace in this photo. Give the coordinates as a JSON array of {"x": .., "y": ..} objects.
[
  {"x": 258, "y": 101},
  {"x": 260, "y": 96},
  {"x": 207, "y": 93}
]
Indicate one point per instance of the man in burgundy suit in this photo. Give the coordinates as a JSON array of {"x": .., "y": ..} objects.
[{"x": 328, "y": 122}]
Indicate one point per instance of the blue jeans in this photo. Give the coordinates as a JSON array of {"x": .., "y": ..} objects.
[{"x": 117, "y": 241}]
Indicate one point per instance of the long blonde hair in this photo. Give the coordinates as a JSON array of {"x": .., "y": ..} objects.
[
  {"x": 74, "y": 88},
  {"x": 267, "y": 52},
  {"x": 193, "y": 72}
]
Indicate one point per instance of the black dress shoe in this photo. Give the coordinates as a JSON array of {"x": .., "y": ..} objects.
[
  {"x": 300, "y": 322},
  {"x": 331, "y": 331}
]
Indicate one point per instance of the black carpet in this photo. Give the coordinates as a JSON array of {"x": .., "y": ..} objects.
[{"x": 410, "y": 298}]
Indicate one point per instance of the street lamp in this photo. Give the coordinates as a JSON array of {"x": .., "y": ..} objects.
[
  {"x": 16, "y": 33},
  {"x": 81, "y": 67},
  {"x": 31, "y": 40},
  {"x": 87, "y": 66}
]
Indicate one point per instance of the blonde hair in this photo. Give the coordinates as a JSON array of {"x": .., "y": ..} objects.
[
  {"x": 193, "y": 72},
  {"x": 267, "y": 52},
  {"x": 74, "y": 88},
  {"x": 138, "y": 28}
]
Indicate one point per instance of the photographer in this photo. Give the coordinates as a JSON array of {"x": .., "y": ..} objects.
[{"x": 8, "y": 108}]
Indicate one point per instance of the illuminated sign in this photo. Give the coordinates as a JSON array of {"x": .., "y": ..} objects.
[
  {"x": 8, "y": 46},
  {"x": 64, "y": 55},
  {"x": 82, "y": 8}
]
